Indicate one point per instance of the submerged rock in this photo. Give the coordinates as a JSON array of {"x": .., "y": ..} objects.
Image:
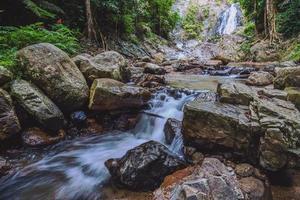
[
  {"x": 9, "y": 123},
  {"x": 5, "y": 75},
  {"x": 260, "y": 79},
  {"x": 37, "y": 105},
  {"x": 35, "y": 137},
  {"x": 144, "y": 167},
  {"x": 56, "y": 74},
  {"x": 109, "y": 94},
  {"x": 109, "y": 64}
]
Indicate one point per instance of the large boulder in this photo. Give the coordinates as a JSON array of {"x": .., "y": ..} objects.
[
  {"x": 5, "y": 75},
  {"x": 109, "y": 64},
  {"x": 56, "y": 74},
  {"x": 212, "y": 124},
  {"x": 235, "y": 93},
  {"x": 286, "y": 77},
  {"x": 9, "y": 123},
  {"x": 37, "y": 105},
  {"x": 260, "y": 79},
  {"x": 109, "y": 94},
  {"x": 279, "y": 144},
  {"x": 144, "y": 167},
  {"x": 210, "y": 181}
]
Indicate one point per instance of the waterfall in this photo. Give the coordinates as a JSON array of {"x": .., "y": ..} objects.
[
  {"x": 74, "y": 170},
  {"x": 229, "y": 20}
]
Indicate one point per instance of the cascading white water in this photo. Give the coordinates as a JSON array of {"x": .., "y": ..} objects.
[
  {"x": 229, "y": 20},
  {"x": 75, "y": 169}
]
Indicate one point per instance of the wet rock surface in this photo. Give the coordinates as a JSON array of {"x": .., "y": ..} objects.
[
  {"x": 144, "y": 167},
  {"x": 9, "y": 122},
  {"x": 171, "y": 129},
  {"x": 56, "y": 74},
  {"x": 37, "y": 105},
  {"x": 36, "y": 137},
  {"x": 109, "y": 94}
]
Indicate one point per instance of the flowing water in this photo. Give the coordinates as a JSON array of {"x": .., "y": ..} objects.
[
  {"x": 229, "y": 20},
  {"x": 74, "y": 170}
]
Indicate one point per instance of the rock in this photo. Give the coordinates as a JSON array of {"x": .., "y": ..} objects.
[
  {"x": 244, "y": 170},
  {"x": 253, "y": 188},
  {"x": 144, "y": 167},
  {"x": 225, "y": 60},
  {"x": 293, "y": 95},
  {"x": 210, "y": 181},
  {"x": 263, "y": 51},
  {"x": 158, "y": 57},
  {"x": 150, "y": 81},
  {"x": 197, "y": 157},
  {"x": 272, "y": 93},
  {"x": 108, "y": 94},
  {"x": 109, "y": 64},
  {"x": 151, "y": 68},
  {"x": 56, "y": 74},
  {"x": 35, "y": 137},
  {"x": 260, "y": 79},
  {"x": 212, "y": 124},
  {"x": 282, "y": 76},
  {"x": 171, "y": 129},
  {"x": 280, "y": 121},
  {"x": 235, "y": 93},
  {"x": 5, "y": 166},
  {"x": 292, "y": 81},
  {"x": 146, "y": 59},
  {"x": 78, "y": 118},
  {"x": 5, "y": 75},
  {"x": 37, "y": 105},
  {"x": 9, "y": 123}
]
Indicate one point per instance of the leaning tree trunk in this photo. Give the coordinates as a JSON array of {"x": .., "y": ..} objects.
[
  {"x": 90, "y": 25},
  {"x": 270, "y": 21}
]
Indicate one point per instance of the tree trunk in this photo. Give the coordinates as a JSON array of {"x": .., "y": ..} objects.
[
  {"x": 90, "y": 25},
  {"x": 270, "y": 21}
]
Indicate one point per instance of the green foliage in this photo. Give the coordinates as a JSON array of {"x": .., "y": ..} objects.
[
  {"x": 249, "y": 29},
  {"x": 191, "y": 24},
  {"x": 293, "y": 52},
  {"x": 288, "y": 18},
  {"x": 13, "y": 39}
]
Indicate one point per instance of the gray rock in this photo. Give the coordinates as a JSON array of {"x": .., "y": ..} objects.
[
  {"x": 144, "y": 167},
  {"x": 154, "y": 69},
  {"x": 109, "y": 64},
  {"x": 37, "y": 105},
  {"x": 235, "y": 93},
  {"x": 56, "y": 74},
  {"x": 214, "y": 124},
  {"x": 5, "y": 75},
  {"x": 109, "y": 94},
  {"x": 260, "y": 79},
  {"x": 9, "y": 123},
  {"x": 283, "y": 74},
  {"x": 171, "y": 129}
]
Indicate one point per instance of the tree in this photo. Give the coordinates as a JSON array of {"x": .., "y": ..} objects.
[
  {"x": 91, "y": 32},
  {"x": 270, "y": 21}
]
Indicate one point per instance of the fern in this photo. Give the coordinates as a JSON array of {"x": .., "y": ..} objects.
[{"x": 37, "y": 10}]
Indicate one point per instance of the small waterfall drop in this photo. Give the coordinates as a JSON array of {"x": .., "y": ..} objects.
[
  {"x": 74, "y": 170},
  {"x": 229, "y": 20}
]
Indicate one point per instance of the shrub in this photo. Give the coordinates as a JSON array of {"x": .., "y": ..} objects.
[
  {"x": 191, "y": 24},
  {"x": 12, "y": 39}
]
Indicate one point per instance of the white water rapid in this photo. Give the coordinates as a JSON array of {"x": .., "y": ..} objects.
[{"x": 74, "y": 170}]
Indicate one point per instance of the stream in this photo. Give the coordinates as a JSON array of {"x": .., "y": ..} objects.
[{"x": 75, "y": 169}]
